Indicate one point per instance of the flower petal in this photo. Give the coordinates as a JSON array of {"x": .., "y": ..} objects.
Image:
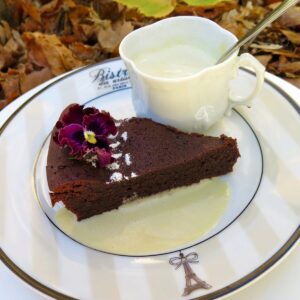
[
  {"x": 73, "y": 115},
  {"x": 84, "y": 132},
  {"x": 100, "y": 123},
  {"x": 90, "y": 110},
  {"x": 102, "y": 142},
  {"x": 59, "y": 124},
  {"x": 72, "y": 136},
  {"x": 104, "y": 157}
]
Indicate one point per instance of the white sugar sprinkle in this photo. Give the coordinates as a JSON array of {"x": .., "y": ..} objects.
[
  {"x": 116, "y": 176},
  {"x": 117, "y": 155},
  {"x": 133, "y": 174},
  {"x": 126, "y": 177},
  {"x": 124, "y": 136},
  {"x": 127, "y": 159},
  {"x": 114, "y": 145},
  {"x": 113, "y": 136},
  {"x": 59, "y": 205},
  {"x": 113, "y": 166}
]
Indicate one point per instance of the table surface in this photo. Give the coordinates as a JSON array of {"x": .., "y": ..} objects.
[{"x": 280, "y": 282}]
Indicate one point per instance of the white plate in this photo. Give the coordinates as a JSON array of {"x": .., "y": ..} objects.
[{"x": 229, "y": 257}]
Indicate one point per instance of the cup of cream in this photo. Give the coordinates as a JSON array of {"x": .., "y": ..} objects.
[{"x": 174, "y": 76}]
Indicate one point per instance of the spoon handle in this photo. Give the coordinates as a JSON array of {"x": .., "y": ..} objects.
[{"x": 277, "y": 12}]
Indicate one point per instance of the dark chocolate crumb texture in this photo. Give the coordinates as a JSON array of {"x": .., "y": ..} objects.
[{"x": 147, "y": 158}]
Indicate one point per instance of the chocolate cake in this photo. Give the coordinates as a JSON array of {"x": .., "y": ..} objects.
[{"x": 147, "y": 158}]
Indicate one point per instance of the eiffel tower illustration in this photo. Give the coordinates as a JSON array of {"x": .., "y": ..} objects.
[{"x": 190, "y": 276}]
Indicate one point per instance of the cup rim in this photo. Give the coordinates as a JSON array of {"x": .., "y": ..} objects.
[{"x": 176, "y": 79}]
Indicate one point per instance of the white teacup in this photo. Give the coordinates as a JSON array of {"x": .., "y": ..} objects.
[{"x": 174, "y": 77}]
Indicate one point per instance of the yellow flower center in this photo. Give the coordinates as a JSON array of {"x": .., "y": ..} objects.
[{"x": 90, "y": 137}]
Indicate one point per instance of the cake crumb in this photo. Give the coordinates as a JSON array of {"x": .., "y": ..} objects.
[
  {"x": 116, "y": 176},
  {"x": 91, "y": 160},
  {"x": 114, "y": 145},
  {"x": 117, "y": 155},
  {"x": 127, "y": 159},
  {"x": 124, "y": 136},
  {"x": 113, "y": 166},
  {"x": 133, "y": 174}
]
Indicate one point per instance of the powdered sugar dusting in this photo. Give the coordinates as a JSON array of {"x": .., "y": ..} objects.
[
  {"x": 113, "y": 166},
  {"x": 133, "y": 174},
  {"x": 58, "y": 205},
  {"x": 111, "y": 137},
  {"x": 116, "y": 176},
  {"x": 124, "y": 136},
  {"x": 117, "y": 155},
  {"x": 127, "y": 159},
  {"x": 114, "y": 145}
]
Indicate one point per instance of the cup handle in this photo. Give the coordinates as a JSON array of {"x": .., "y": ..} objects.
[{"x": 247, "y": 60}]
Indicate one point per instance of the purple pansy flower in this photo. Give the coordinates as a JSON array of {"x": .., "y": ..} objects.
[{"x": 84, "y": 131}]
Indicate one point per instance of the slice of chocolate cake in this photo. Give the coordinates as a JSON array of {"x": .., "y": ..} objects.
[{"x": 146, "y": 158}]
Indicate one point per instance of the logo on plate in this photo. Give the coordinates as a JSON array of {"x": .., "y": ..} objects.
[
  {"x": 192, "y": 281},
  {"x": 107, "y": 78}
]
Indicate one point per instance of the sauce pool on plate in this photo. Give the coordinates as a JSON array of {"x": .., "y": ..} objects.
[{"x": 155, "y": 224}]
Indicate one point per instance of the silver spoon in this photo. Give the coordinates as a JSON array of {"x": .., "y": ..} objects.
[{"x": 268, "y": 19}]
